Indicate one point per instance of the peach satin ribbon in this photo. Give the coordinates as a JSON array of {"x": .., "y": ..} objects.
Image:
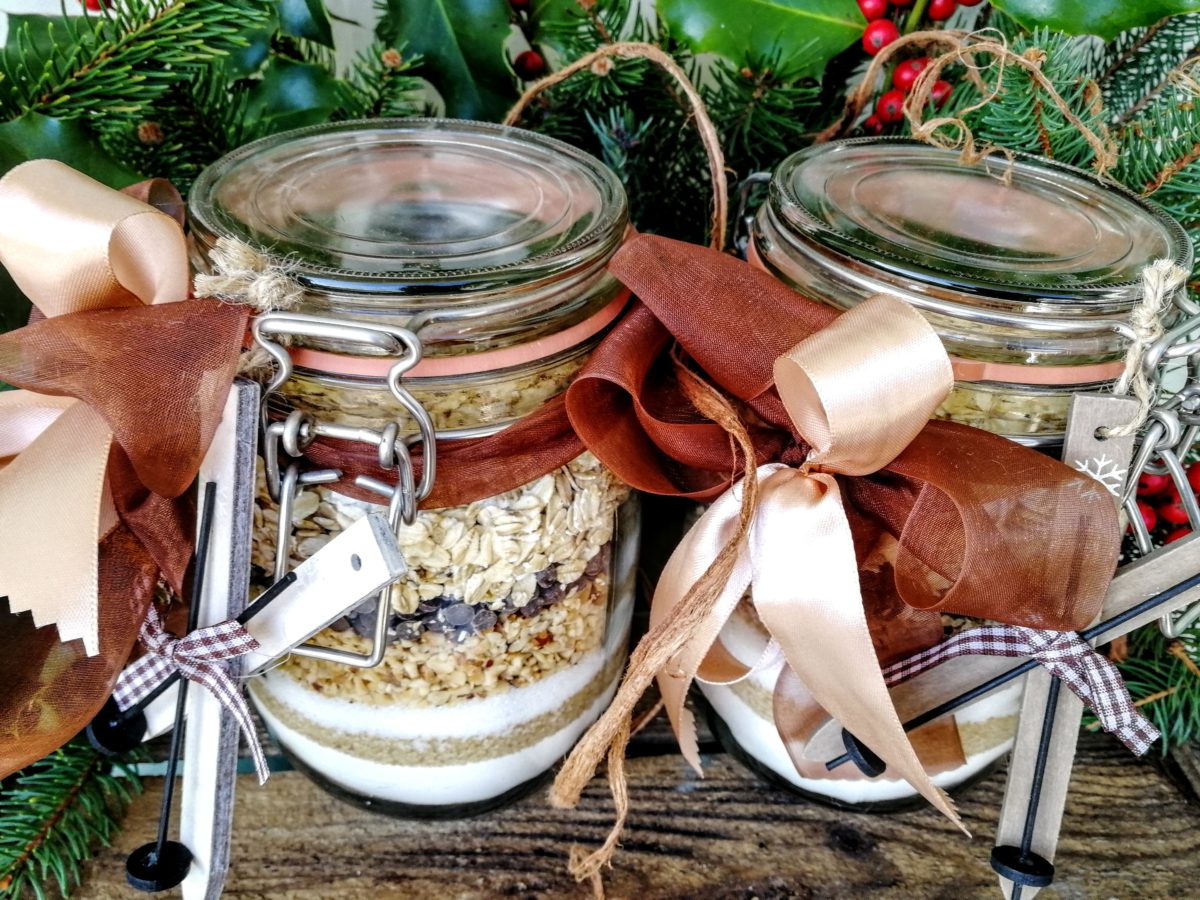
[
  {"x": 858, "y": 391},
  {"x": 70, "y": 244}
]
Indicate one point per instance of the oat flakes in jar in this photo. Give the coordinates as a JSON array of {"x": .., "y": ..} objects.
[
  {"x": 1027, "y": 269},
  {"x": 453, "y": 284}
]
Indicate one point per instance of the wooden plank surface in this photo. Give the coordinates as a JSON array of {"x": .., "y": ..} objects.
[{"x": 1129, "y": 832}]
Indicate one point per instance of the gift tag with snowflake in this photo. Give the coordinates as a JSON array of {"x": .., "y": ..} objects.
[
  {"x": 1087, "y": 449},
  {"x": 1044, "y": 748}
]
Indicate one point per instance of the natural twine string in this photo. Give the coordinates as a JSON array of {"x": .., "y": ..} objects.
[
  {"x": 243, "y": 275},
  {"x": 1160, "y": 281},
  {"x": 708, "y": 132},
  {"x": 952, "y": 132},
  {"x": 610, "y": 734}
]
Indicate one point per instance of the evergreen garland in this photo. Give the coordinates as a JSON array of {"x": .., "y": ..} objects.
[
  {"x": 55, "y": 813},
  {"x": 108, "y": 67},
  {"x": 168, "y": 86},
  {"x": 1021, "y": 117}
]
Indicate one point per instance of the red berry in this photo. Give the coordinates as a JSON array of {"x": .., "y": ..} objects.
[
  {"x": 873, "y": 9},
  {"x": 901, "y": 2},
  {"x": 969, "y": 2},
  {"x": 94, "y": 5},
  {"x": 1149, "y": 516},
  {"x": 872, "y": 125},
  {"x": 529, "y": 65},
  {"x": 940, "y": 10},
  {"x": 519, "y": 4},
  {"x": 1177, "y": 534},
  {"x": 906, "y": 73},
  {"x": 1172, "y": 511},
  {"x": 1155, "y": 485},
  {"x": 940, "y": 92},
  {"x": 890, "y": 107},
  {"x": 878, "y": 35}
]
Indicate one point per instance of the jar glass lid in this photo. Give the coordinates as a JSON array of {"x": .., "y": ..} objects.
[
  {"x": 420, "y": 205},
  {"x": 1001, "y": 228}
]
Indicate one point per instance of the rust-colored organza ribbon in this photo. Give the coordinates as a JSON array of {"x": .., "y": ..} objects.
[
  {"x": 124, "y": 379},
  {"x": 984, "y": 527}
]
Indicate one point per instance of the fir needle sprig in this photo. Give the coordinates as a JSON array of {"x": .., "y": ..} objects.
[{"x": 55, "y": 813}]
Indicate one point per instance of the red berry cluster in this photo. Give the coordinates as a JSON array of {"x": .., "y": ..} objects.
[
  {"x": 529, "y": 64},
  {"x": 882, "y": 30},
  {"x": 1161, "y": 507}
]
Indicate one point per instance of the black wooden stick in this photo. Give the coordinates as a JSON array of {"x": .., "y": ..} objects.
[
  {"x": 1029, "y": 665},
  {"x": 202, "y": 542}
]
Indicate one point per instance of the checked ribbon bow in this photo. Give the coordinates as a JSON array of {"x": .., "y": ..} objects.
[
  {"x": 1065, "y": 655},
  {"x": 200, "y": 656}
]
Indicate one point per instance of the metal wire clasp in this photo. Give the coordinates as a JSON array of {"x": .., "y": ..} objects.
[{"x": 295, "y": 434}]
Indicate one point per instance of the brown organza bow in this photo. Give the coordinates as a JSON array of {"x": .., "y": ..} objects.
[
  {"x": 124, "y": 380},
  {"x": 983, "y": 526}
]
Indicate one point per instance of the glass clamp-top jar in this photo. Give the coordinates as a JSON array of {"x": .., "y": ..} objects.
[
  {"x": 1026, "y": 268},
  {"x": 1028, "y": 271},
  {"x": 453, "y": 279}
]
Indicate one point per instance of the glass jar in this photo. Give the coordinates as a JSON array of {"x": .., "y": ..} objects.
[
  {"x": 506, "y": 637},
  {"x": 1026, "y": 268},
  {"x": 955, "y": 750}
]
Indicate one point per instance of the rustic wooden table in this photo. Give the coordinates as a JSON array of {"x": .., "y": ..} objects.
[{"x": 1132, "y": 831}]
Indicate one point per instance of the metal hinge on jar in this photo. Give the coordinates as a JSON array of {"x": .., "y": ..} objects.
[{"x": 295, "y": 434}]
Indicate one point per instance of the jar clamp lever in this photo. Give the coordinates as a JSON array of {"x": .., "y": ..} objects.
[{"x": 296, "y": 433}]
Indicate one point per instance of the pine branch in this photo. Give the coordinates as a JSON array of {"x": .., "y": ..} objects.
[
  {"x": 115, "y": 64},
  {"x": 197, "y": 121},
  {"x": 1023, "y": 117},
  {"x": 1156, "y": 149},
  {"x": 54, "y": 813},
  {"x": 379, "y": 84},
  {"x": 1134, "y": 71},
  {"x": 761, "y": 117}
]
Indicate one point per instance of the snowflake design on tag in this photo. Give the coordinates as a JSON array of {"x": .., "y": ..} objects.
[{"x": 1104, "y": 470}]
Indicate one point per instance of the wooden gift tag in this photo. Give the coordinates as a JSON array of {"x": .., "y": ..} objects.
[
  {"x": 1036, "y": 792},
  {"x": 211, "y": 745}
]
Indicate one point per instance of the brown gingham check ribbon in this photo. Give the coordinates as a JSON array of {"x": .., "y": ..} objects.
[
  {"x": 200, "y": 657},
  {"x": 1065, "y": 655}
]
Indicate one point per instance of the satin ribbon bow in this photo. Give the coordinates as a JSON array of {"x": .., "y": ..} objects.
[
  {"x": 71, "y": 245},
  {"x": 123, "y": 368},
  {"x": 1065, "y": 655},
  {"x": 199, "y": 656},
  {"x": 858, "y": 391}
]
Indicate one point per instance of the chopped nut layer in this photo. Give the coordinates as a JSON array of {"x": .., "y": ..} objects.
[{"x": 436, "y": 670}]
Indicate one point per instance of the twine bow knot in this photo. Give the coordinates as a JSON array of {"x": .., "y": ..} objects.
[{"x": 202, "y": 657}]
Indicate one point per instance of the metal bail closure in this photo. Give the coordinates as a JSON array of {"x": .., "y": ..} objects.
[{"x": 295, "y": 434}]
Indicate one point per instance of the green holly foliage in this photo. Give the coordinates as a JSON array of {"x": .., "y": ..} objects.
[
  {"x": 801, "y": 36},
  {"x": 462, "y": 45},
  {"x": 1106, "y": 18}
]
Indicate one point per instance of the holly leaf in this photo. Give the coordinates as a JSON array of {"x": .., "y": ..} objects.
[
  {"x": 243, "y": 62},
  {"x": 34, "y": 136},
  {"x": 803, "y": 35},
  {"x": 290, "y": 95},
  {"x": 1106, "y": 18},
  {"x": 305, "y": 19},
  {"x": 461, "y": 44},
  {"x": 553, "y": 20}
]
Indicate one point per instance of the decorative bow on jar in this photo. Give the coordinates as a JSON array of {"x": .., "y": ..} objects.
[
  {"x": 837, "y": 452},
  {"x": 124, "y": 380}
]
